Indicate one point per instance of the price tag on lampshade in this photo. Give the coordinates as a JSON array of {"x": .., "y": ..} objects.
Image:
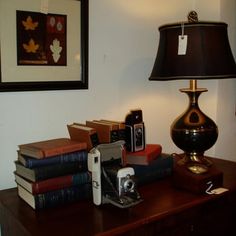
[{"x": 182, "y": 45}]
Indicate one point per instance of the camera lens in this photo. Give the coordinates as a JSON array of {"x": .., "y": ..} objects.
[
  {"x": 128, "y": 185},
  {"x": 138, "y": 136}
]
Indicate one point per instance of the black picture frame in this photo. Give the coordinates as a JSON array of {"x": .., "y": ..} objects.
[{"x": 38, "y": 85}]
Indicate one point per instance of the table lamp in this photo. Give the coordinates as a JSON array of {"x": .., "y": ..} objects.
[{"x": 194, "y": 51}]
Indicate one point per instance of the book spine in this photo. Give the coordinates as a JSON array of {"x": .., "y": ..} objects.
[
  {"x": 61, "y": 182},
  {"x": 158, "y": 169},
  {"x": 79, "y": 156},
  {"x": 63, "y": 196},
  {"x": 153, "y": 176},
  {"x": 81, "y": 178},
  {"x": 51, "y": 171}
]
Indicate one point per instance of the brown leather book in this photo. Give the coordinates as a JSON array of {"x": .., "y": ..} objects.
[
  {"x": 82, "y": 133},
  {"x": 52, "y": 147},
  {"x": 120, "y": 127},
  {"x": 107, "y": 132}
]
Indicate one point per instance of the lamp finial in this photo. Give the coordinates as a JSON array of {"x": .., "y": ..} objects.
[{"x": 192, "y": 17}]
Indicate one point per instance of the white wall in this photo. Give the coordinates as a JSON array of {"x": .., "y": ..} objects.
[
  {"x": 122, "y": 48},
  {"x": 226, "y": 107}
]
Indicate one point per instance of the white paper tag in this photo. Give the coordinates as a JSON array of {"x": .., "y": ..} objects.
[
  {"x": 183, "y": 41},
  {"x": 219, "y": 190},
  {"x": 44, "y": 6}
]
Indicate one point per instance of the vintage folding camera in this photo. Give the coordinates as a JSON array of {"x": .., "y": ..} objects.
[
  {"x": 111, "y": 182},
  {"x": 134, "y": 131}
]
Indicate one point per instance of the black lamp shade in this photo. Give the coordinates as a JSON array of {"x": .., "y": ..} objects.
[{"x": 208, "y": 54}]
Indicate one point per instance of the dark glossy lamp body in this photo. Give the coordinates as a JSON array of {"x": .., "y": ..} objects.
[
  {"x": 193, "y": 131},
  {"x": 208, "y": 56}
]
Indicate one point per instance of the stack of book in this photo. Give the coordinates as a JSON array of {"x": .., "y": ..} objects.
[
  {"x": 52, "y": 172},
  {"x": 150, "y": 164}
]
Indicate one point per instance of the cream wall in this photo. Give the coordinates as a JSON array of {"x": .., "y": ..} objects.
[
  {"x": 122, "y": 48},
  {"x": 226, "y": 106}
]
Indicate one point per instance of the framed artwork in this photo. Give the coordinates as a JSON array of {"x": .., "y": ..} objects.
[
  {"x": 41, "y": 38},
  {"x": 43, "y": 45}
]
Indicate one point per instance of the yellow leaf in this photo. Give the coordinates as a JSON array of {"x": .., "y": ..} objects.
[
  {"x": 31, "y": 46},
  {"x": 29, "y": 24}
]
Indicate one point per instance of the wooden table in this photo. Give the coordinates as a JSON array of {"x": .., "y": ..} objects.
[{"x": 165, "y": 211}]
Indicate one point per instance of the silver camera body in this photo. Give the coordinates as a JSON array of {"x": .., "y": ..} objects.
[{"x": 111, "y": 182}]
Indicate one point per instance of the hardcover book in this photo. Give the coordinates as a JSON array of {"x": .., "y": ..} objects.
[
  {"x": 107, "y": 132},
  {"x": 121, "y": 127},
  {"x": 158, "y": 169},
  {"x": 50, "y": 171},
  {"x": 57, "y": 197},
  {"x": 144, "y": 157},
  {"x": 53, "y": 183},
  {"x": 78, "y": 156},
  {"x": 52, "y": 147},
  {"x": 83, "y": 133}
]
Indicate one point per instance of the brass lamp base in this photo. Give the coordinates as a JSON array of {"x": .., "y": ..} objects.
[
  {"x": 195, "y": 163},
  {"x": 194, "y": 133}
]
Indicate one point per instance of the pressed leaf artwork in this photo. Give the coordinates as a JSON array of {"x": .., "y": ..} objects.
[{"x": 41, "y": 38}]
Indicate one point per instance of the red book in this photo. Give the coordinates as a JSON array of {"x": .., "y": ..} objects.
[
  {"x": 52, "y": 147},
  {"x": 144, "y": 157},
  {"x": 53, "y": 183}
]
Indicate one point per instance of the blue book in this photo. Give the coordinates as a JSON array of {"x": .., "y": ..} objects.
[
  {"x": 157, "y": 169},
  {"x": 57, "y": 197},
  {"x": 78, "y": 156}
]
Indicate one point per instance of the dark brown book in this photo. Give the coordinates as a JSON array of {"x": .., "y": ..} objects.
[
  {"x": 52, "y": 147},
  {"x": 82, "y": 133},
  {"x": 120, "y": 127},
  {"x": 107, "y": 132}
]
